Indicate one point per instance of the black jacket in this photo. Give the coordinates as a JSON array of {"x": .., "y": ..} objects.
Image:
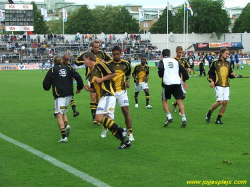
[{"x": 61, "y": 79}]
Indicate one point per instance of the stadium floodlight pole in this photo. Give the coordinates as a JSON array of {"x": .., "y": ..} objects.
[
  {"x": 139, "y": 23},
  {"x": 184, "y": 25},
  {"x": 63, "y": 21},
  {"x": 187, "y": 32},
  {"x": 167, "y": 22},
  {"x": 26, "y": 46}
]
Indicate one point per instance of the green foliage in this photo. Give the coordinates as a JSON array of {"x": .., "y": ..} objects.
[
  {"x": 242, "y": 24},
  {"x": 114, "y": 19},
  {"x": 161, "y": 25},
  {"x": 81, "y": 20},
  {"x": 209, "y": 17},
  {"x": 123, "y": 22},
  {"x": 40, "y": 26},
  {"x": 107, "y": 19},
  {"x": 56, "y": 26},
  {"x": 179, "y": 21}
]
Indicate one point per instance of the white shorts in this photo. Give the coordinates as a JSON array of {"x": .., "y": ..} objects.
[
  {"x": 106, "y": 106},
  {"x": 222, "y": 93},
  {"x": 141, "y": 86},
  {"x": 122, "y": 98},
  {"x": 61, "y": 104}
]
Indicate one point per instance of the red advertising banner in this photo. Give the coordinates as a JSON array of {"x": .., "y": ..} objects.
[{"x": 203, "y": 45}]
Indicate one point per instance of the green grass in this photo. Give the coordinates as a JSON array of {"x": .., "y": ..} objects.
[{"x": 159, "y": 157}]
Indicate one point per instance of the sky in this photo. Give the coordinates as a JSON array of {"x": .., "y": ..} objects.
[{"x": 149, "y": 3}]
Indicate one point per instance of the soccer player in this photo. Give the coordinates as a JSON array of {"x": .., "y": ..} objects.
[
  {"x": 190, "y": 60},
  {"x": 66, "y": 58},
  {"x": 60, "y": 77},
  {"x": 181, "y": 59},
  {"x": 169, "y": 70},
  {"x": 237, "y": 59},
  {"x": 218, "y": 76},
  {"x": 100, "y": 56},
  {"x": 210, "y": 59},
  {"x": 185, "y": 64},
  {"x": 102, "y": 83},
  {"x": 141, "y": 75},
  {"x": 202, "y": 65},
  {"x": 123, "y": 71},
  {"x": 232, "y": 59},
  {"x": 43, "y": 64}
]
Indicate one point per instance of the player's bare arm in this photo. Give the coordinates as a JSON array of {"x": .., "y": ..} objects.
[
  {"x": 88, "y": 88},
  {"x": 212, "y": 84},
  {"x": 127, "y": 82},
  {"x": 78, "y": 91},
  {"x": 108, "y": 77}
]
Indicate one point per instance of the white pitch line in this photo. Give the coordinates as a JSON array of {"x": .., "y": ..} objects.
[{"x": 56, "y": 162}]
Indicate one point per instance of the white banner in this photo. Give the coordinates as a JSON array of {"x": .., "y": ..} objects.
[
  {"x": 44, "y": 13},
  {"x": 141, "y": 15},
  {"x": 19, "y": 28},
  {"x": 18, "y": 7},
  {"x": 65, "y": 16},
  {"x": 26, "y": 66},
  {"x": 1, "y": 15},
  {"x": 171, "y": 9},
  {"x": 159, "y": 13}
]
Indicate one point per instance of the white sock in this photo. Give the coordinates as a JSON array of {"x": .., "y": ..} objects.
[
  {"x": 184, "y": 117},
  {"x": 169, "y": 115}
]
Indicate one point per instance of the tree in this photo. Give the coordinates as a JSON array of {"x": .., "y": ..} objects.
[
  {"x": 161, "y": 25},
  {"x": 40, "y": 26},
  {"x": 81, "y": 20},
  {"x": 114, "y": 19},
  {"x": 123, "y": 22},
  {"x": 242, "y": 24},
  {"x": 209, "y": 17},
  {"x": 55, "y": 26}
]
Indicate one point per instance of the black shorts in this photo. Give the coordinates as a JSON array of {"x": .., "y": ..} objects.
[
  {"x": 174, "y": 90},
  {"x": 191, "y": 66}
]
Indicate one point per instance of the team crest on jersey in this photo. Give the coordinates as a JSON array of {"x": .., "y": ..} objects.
[
  {"x": 170, "y": 65},
  {"x": 62, "y": 73},
  {"x": 125, "y": 101}
]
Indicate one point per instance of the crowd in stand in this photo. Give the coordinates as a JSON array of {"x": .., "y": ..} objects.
[
  {"x": 44, "y": 47},
  {"x": 18, "y": 48}
]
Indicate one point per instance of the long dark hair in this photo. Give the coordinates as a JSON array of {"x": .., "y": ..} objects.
[{"x": 223, "y": 50}]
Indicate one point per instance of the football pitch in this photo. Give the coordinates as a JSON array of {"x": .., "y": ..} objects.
[{"x": 201, "y": 154}]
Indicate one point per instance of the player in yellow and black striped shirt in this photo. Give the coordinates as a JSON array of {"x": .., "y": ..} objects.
[
  {"x": 123, "y": 71},
  {"x": 100, "y": 56},
  {"x": 101, "y": 81},
  {"x": 141, "y": 75}
]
